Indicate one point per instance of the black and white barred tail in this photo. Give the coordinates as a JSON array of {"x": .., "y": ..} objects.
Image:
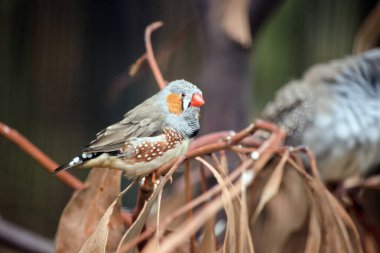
[
  {"x": 85, "y": 157},
  {"x": 77, "y": 161}
]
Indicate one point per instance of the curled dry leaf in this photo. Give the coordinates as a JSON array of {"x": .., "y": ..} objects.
[
  {"x": 136, "y": 228},
  {"x": 237, "y": 232},
  {"x": 280, "y": 225},
  {"x": 207, "y": 244},
  {"x": 313, "y": 243},
  {"x": 172, "y": 241},
  {"x": 97, "y": 242},
  {"x": 300, "y": 216},
  {"x": 86, "y": 207},
  {"x": 273, "y": 185}
]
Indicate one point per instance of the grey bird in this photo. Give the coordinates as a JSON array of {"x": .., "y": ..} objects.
[
  {"x": 335, "y": 110},
  {"x": 150, "y": 135}
]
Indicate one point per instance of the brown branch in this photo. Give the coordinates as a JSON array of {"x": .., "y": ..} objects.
[
  {"x": 210, "y": 138},
  {"x": 228, "y": 142},
  {"x": 150, "y": 55},
  {"x": 39, "y": 156}
]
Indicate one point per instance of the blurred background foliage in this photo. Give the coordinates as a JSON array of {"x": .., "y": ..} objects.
[{"x": 61, "y": 60}]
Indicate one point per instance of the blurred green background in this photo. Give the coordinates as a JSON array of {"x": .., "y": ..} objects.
[{"x": 62, "y": 64}]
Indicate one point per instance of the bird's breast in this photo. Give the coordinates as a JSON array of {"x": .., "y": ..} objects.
[{"x": 143, "y": 155}]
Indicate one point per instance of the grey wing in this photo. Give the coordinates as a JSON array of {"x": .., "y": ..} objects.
[
  {"x": 292, "y": 108},
  {"x": 142, "y": 121}
]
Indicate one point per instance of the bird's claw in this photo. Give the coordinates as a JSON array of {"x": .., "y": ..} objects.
[{"x": 155, "y": 178}]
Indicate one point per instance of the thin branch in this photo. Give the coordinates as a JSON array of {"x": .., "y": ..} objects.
[
  {"x": 229, "y": 141},
  {"x": 39, "y": 156},
  {"x": 150, "y": 55}
]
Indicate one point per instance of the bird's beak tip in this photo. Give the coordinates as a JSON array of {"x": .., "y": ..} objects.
[{"x": 197, "y": 100}]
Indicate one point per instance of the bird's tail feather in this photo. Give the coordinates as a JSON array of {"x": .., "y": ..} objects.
[
  {"x": 84, "y": 157},
  {"x": 75, "y": 162}
]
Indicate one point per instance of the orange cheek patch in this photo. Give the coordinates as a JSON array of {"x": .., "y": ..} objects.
[{"x": 174, "y": 102}]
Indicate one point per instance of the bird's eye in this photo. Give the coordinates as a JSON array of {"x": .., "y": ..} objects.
[{"x": 183, "y": 95}]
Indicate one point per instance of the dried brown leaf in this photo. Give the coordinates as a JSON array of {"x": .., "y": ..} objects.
[
  {"x": 338, "y": 233},
  {"x": 207, "y": 244},
  {"x": 272, "y": 186},
  {"x": 231, "y": 209},
  {"x": 346, "y": 224},
  {"x": 174, "y": 240},
  {"x": 97, "y": 242},
  {"x": 245, "y": 238},
  {"x": 223, "y": 162},
  {"x": 313, "y": 243},
  {"x": 86, "y": 207},
  {"x": 236, "y": 236},
  {"x": 136, "y": 228},
  {"x": 282, "y": 224}
]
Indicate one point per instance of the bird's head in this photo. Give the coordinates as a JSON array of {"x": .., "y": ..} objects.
[
  {"x": 183, "y": 101},
  {"x": 182, "y": 95}
]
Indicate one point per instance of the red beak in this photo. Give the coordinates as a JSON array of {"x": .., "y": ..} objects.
[{"x": 197, "y": 100}]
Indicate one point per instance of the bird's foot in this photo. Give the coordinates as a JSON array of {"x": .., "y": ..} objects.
[
  {"x": 155, "y": 178},
  {"x": 171, "y": 179}
]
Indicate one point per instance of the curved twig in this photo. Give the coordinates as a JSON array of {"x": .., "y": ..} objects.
[{"x": 150, "y": 55}]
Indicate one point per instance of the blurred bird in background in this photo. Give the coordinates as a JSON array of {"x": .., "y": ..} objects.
[{"x": 335, "y": 110}]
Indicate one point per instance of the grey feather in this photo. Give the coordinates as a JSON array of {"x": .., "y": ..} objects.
[{"x": 142, "y": 121}]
